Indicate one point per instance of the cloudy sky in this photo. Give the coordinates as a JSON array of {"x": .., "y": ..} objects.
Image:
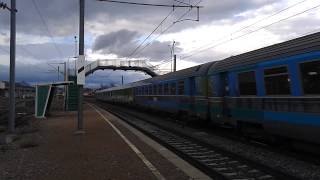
[{"x": 46, "y": 30}]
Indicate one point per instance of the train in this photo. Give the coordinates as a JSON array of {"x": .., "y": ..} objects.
[{"x": 274, "y": 90}]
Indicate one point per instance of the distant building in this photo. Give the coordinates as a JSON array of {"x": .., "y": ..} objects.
[{"x": 23, "y": 90}]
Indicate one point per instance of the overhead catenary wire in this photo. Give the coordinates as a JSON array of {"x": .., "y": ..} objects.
[
  {"x": 165, "y": 30},
  {"x": 47, "y": 27},
  {"x": 304, "y": 34},
  {"x": 240, "y": 36},
  {"x": 150, "y": 4},
  {"x": 159, "y": 25},
  {"x": 252, "y": 24},
  {"x": 153, "y": 31},
  {"x": 31, "y": 54}
]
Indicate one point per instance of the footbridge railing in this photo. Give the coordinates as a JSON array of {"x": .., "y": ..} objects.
[{"x": 115, "y": 64}]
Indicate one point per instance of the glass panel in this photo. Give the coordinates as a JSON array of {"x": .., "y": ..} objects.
[
  {"x": 310, "y": 76},
  {"x": 181, "y": 88},
  {"x": 213, "y": 85},
  {"x": 145, "y": 90},
  {"x": 247, "y": 83},
  {"x": 166, "y": 89},
  {"x": 154, "y": 89},
  {"x": 198, "y": 86},
  {"x": 173, "y": 89},
  {"x": 277, "y": 81},
  {"x": 160, "y": 89},
  {"x": 149, "y": 90}
]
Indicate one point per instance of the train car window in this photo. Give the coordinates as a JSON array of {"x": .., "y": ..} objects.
[
  {"x": 213, "y": 85},
  {"x": 247, "y": 83},
  {"x": 310, "y": 77},
  {"x": 145, "y": 90},
  {"x": 149, "y": 89},
  {"x": 277, "y": 81},
  {"x": 181, "y": 88},
  {"x": 154, "y": 89},
  {"x": 160, "y": 89},
  {"x": 173, "y": 88},
  {"x": 166, "y": 89},
  {"x": 198, "y": 88}
]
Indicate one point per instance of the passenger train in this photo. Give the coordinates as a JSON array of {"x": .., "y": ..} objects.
[{"x": 274, "y": 90}]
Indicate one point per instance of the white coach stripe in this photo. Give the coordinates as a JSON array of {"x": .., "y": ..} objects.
[{"x": 133, "y": 147}]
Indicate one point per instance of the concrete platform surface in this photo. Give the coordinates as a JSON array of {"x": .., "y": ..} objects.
[{"x": 100, "y": 153}]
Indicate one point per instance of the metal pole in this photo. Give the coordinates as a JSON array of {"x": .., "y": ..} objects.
[
  {"x": 75, "y": 46},
  {"x": 172, "y": 51},
  {"x": 174, "y": 63},
  {"x": 12, "y": 112},
  {"x": 122, "y": 80},
  {"x": 81, "y": 52},
  {"x": 65, "y": 86},
  {"x": 58, "y": 73},
  {"x": 65, "y": 71}
]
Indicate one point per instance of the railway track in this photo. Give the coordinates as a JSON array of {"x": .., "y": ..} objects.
[
  {"x": 214, "y": 161},
  {"x": 305, "y": 155},
  {"x": 24, "y": 110}
]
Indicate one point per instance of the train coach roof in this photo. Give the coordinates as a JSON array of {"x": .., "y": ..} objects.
[
  {"x": 184, "y": 73},
  {"x": 126, "y": 86},
  {"x": 305, "y": 44},
  {"x": 189, "y": 72}
]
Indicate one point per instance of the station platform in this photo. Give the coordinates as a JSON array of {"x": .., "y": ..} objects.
[{"x": 109, "y": 149}]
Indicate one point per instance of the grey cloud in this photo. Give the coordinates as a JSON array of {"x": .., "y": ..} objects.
[
  {"x": 29, "y": 73},
  {"x": 115, "y": 42},
  {"x": 159, "y": 51},
  {"x": 62, "y": 15},
  {"x": 301, "y": 26},
  {"x": 124, "y": 42}
]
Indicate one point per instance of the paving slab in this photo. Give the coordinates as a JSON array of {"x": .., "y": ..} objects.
[{"x": 99, "y": 153}]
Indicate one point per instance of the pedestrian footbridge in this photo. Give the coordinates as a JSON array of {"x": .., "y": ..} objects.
[{"x": 115, "y": 64}]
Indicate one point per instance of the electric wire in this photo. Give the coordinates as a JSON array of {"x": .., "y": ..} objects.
[
  {"x": 149, "y": 4},
  {"x": 157, "y": 27},
  {"x": 31, "y": 54},
  {"x": 250, "y": 25},
  {"x": 154, "y": 30},
  {"x": 47, "y": 27},
  {"x": 165, "y": 30},
  {"x": 240, "y": 36}
]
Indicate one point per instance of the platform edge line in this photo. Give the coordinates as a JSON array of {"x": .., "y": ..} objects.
[{"x": 150, "y": 166}]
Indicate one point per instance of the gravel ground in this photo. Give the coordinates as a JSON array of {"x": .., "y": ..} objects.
[
  {"x": 54, "y": 152},
  {"x": 297, "y": 168}
]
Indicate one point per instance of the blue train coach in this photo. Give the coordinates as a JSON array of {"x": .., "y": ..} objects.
[{"x": 274, "y": 90}]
